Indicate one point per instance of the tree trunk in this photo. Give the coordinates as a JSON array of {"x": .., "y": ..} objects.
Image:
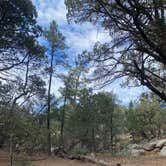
[
  {"x": 111, "y": 128},
  {"x": 111, "y": 135},
  {"x": 11, "y": 124},
  {"x": 105, "y": 133},
  {"x": 93, "y": 140},
  {"x": 61, "y": 141},
  {"x": 49, "y": 106},
  {"x": 11, "y": 150}
]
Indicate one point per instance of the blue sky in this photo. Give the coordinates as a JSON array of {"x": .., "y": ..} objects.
[{"x": 79, "y": 38}]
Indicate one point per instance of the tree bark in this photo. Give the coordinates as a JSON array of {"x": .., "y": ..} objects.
[
  {"x": 49, "y": 105},
  {"x": 61, "y": 141}
]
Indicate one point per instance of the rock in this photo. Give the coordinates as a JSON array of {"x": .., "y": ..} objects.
[
  {"x": 54, "y": 149},
  {"x": 154, "y": 144},
  {"x": 150, "y": 146},
  {"x": 102, "y": 163},
  {"x": 163, "y": 152},
  {"x": 134, "y": 146},
  {"x": 136, "y": 152},
  {"x": 161, "y": 143},
  {"x": 92, "y": 155}
]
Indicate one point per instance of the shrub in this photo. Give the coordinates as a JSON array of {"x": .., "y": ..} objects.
[{"x": 77, "y": 150}]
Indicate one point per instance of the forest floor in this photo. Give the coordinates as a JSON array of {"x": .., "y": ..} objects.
[
  {"x": 148, "y": 160},
  {"x": 125, "y": 161}
]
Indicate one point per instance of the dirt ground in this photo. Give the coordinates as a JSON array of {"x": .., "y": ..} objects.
[
  {"x": 61, "y": 162},
  {"x": 139, "y": 161},
  {"x": 148, "y": 160},
  {"x": 43, "y": 161}
]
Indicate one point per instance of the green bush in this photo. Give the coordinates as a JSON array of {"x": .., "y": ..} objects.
[
  {"x": 125, "y": 151},
  {"x": 79, "y": 150}
]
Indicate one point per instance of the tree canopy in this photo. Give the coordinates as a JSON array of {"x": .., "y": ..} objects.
[
  {"x": 18, "y": 32},
  {"x": 138, "y": 39}
]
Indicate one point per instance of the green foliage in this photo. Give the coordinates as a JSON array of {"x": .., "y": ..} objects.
[
  {"x": 124, "y": 151},
  {"x": 145, "y": 120},
  {"x": 96, "y": 121},
  {"x": 54, "y": 37},
  {"x": 17, "y": 23},
  {"x": 18, "y": 34},
  {"x": 28, "y": 136},
  {"x": 77, "y": 150}
]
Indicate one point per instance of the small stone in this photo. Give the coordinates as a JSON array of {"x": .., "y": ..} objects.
[
  {"x": 163, "y": 152},
  {"x": 136, "y": 152},
  {"x": 134, "y": 146}
]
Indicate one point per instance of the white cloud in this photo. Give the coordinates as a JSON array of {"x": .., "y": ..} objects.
[
  {"x": 125, "y": 95},
  {"x": 57, "y": 83},
  {"x": 51, "y": 10},
  {"x": 78, "y": 37}
]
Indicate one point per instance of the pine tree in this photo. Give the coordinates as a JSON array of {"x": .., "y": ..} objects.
[{"x": 56, "y": 42}]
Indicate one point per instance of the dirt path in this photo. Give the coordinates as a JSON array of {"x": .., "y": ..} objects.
[
  {"x": 54, "y": 161},
  {"x": 136, "y": 161},
  {"x": 151, "y": 160},
  {"x": 61, "y": 162},
  {"x": 147, "y": 160}
]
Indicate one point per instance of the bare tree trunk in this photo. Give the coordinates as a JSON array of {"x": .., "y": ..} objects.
[
  {"x": 12, "y": 126},
  {"x": 11, "y": 150},
  {"x": 111, "y": 133},
  {"x": 49, "y": 106},
  {"x": 111, "y": 129},
  {"x": 61, "y": 141},
  {"x": 104, "y": 139},
  {"x": 93, "y": 140}
]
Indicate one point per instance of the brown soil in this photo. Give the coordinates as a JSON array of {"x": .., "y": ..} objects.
[
  {"x": 61, "y": 162},
  {"x": 4, "y": 158},
  {"x": 44, "y": 161},
  {"x": 148, "y": 160}
]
